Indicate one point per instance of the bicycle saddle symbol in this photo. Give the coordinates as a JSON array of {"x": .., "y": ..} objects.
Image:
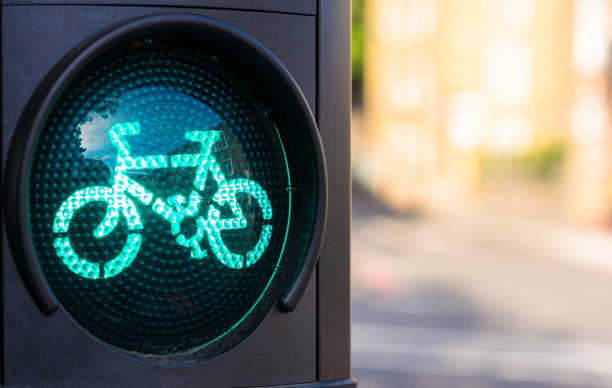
[{"x": 174, "y": 209}]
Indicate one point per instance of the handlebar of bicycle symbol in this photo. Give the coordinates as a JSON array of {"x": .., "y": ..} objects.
[{"x": 174, "y": 210}]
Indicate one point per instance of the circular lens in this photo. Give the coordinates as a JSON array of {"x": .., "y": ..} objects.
[{"x": 159, "y": 200}]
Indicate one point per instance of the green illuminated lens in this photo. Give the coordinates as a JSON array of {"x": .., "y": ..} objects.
[{"x": 159, "y": 199}]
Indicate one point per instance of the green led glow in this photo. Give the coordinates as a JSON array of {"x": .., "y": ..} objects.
[
  {"x": 125, "y": 258},
  {"x": 174, "y": 211},
  {"x": 232, "y": 260},
  {"x": 260, "y": 248},
  {"x": 77, "y": 265},
  {"x": 159, "y": 202},
  {"x": 116, "y": 203},
  {"x": 91, "y": 270},
  {"x": 176, "y": 217},
  {"x": 227, "y": 194},
  {"x": 279, "y": 257}
]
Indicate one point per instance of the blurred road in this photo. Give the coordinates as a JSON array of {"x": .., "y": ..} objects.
[{"x": 479, "y": 298}]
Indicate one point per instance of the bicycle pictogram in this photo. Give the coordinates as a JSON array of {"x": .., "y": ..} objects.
[{"x": 175, "y": 209}]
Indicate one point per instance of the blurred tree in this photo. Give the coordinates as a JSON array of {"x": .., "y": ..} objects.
[
  {"x": 540, "y": 163},
  {"x": 358, "y": 47}
]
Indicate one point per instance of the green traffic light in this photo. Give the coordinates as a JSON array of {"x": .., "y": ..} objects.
[{"x": 159, "y": 199}]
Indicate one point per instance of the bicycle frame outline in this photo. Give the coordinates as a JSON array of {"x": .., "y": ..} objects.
[{"x": 175, "y": 210}]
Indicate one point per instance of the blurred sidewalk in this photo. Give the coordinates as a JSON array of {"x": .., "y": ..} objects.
[{"x": 479, "y": 296}]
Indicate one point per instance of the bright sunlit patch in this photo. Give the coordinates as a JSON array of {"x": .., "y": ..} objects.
[
  {"x": 508, "y": 70},
  {"x": 465, "y": 120},
  {"x": 509, "y": 134},
  {"x": 589, "y": 117},
  {"x": 591, "y": 36}
]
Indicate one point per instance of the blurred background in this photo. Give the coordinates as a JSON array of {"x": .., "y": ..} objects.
[{"x": 482, "y": 193}]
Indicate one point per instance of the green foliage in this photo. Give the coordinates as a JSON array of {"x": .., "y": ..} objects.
[
  {"x": 358, "y": 40},
  {"x": 542, "y": 163}
]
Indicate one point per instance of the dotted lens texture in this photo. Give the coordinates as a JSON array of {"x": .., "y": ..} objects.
[{"x": 166, "y": 300}]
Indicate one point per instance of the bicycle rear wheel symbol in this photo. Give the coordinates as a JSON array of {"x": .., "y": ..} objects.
[{"x": 175, "y": 209}]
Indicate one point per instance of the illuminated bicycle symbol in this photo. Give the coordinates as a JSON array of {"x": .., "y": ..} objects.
[{"x": 174, "y": 210}]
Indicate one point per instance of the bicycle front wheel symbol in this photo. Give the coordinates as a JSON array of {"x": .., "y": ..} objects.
[{"x": 117, "y": 205}]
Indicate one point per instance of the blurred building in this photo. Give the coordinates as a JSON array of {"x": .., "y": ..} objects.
[{"x": 469, "y": 97}]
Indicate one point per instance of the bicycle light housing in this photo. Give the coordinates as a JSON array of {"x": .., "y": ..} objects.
[{"x": 167, "y": 187}]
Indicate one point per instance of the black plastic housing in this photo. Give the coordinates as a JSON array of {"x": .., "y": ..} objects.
[{"x": 310, "y": 345}]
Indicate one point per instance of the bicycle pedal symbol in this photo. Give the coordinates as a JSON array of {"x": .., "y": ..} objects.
[{"x": 175, "y": 209}]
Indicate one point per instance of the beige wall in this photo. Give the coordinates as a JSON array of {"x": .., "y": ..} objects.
[{"x": 450, "y": 83}]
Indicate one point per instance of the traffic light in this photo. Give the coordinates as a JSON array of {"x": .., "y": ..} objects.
[{"x": 175, "y": 193}]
